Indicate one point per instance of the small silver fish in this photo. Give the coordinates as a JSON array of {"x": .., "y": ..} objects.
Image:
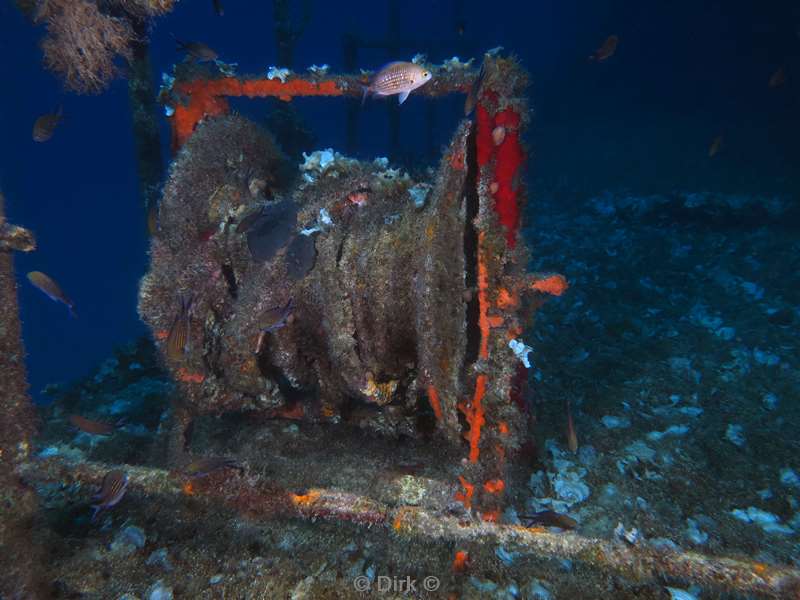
[
  {"x": 115, "y": 484},
  {"x": 400, "y": 78}
]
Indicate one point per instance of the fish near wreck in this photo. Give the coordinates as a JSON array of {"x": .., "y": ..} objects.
[
  {"x": 92, "y": 427},
  {"x": 178, "y": 337},
  {"x": 114, "y": 486},
  {"x": 45, "y": 126},
  {"x": 204, "y": 466},
  {"x": 397, "y": 78},
  {"x": 272, "y": 229},
  {"x": 197, "y": 51},
  {"x": 51, "y": 289},
  {"x": 607, "y": 50}
]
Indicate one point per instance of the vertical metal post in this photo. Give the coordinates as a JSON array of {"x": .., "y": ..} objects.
[{"x": 17, "y": 425}]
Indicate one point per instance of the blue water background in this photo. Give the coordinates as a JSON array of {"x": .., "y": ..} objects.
[{"x": 684, "y": 72}]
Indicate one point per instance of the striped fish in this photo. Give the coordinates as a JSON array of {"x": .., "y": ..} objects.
[
  {"x": 178, "y": 338},
  {"x": 115, "y": 484},
  {"x": 397, "y": 78}
]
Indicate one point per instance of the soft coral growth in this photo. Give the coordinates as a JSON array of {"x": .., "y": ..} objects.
[{"x": 82, "y": 43}]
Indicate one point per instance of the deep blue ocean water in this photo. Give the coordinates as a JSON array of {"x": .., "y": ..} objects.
[{"x": 683, "y": 72}]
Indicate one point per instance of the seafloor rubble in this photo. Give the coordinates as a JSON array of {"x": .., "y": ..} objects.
[{"x": 675, "y": 347}]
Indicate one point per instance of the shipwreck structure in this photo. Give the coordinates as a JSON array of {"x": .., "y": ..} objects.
[{"x": 404, "y": 300}]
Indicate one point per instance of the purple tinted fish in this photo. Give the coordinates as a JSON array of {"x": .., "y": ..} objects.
[
  {"x": 277, "y": 317},
  {"x": 115, "y": 484}
]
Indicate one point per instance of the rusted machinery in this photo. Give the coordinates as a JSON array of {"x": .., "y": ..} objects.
[{"x": 354, "y": 293}]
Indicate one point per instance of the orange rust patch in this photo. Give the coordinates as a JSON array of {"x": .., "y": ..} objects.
[
  {"x": 295, "y": 412},
  {"x": 209, "y": 97},
  {"x": 502, "y": 427},
  {"x": 513, "y": 332},
  {"x": 555, "y": 285},
  {"x": 460, "y": 561},
  {"x": 465, "y": 497},
  {"x": 474, "y": 415},
  {"x": 507, "y": 300},
  {"x": 491, "y": 516},
  {"x": 188, "y": 488},
  {"x": 187, "y": 377},
  {"x": 495, "y": 321},
  {"x": 398, "y": 522},
  {"x": 760, "y": 568},
  {"x": 436, "y": 405},
  {"x": 494, "y": 486},
  {"x": 483, "y": 296},
  {"x": 327, "y": 411},
  {"x": 457, "y": 160},
  {"x": 305, "y": 499},
  {"x": 161, "y": 335}
]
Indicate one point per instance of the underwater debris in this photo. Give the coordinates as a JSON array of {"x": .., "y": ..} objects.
[
  {"x": 278, "y": 73},
  {"x": 521, "y": 351},
  {"x": 769, "y": 522},
  {"x": 454, "y": 64},
  {"x": 735, "y": 434},
  {"x": 679, "y": 594},
  {"x": 374, "y": 300},
  {"x": 319, "y": 69},
  {"x": 629, "y": 536}
]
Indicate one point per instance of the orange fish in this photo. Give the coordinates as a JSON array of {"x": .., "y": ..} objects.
[
  {"x": 45, "y": 126},
  {"x": 778, "y": 78},
  {"x": 89, "y": 426},
  {"x": 572, "y": 437},
  {"x": 607, "y": 50},
  {"x": 715, "y": 147}
]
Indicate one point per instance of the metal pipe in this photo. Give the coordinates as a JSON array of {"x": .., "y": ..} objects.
[{"x": 262, "y": 500}]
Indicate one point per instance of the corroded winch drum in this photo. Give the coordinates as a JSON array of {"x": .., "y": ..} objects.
[{"x": 358, "y": 294}]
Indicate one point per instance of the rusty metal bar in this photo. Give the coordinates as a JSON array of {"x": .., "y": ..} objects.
[
  {"x": 18, "y": 504},
  {"x": 257, "y": 499}
]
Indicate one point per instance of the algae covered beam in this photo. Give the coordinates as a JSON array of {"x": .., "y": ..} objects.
[
  {"x": 195, "y": 99},
  {"x": 258, "y": 499},
  {"x": 16, "y": 428}
]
